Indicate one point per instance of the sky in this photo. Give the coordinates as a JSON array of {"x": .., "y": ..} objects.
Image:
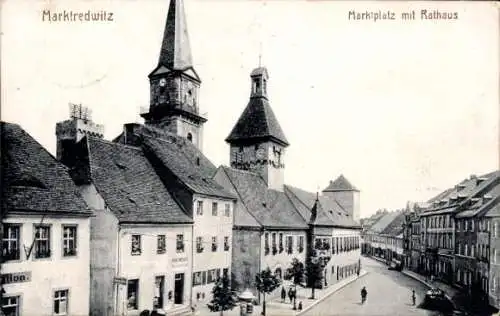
[{"x": 403, "y": 109}]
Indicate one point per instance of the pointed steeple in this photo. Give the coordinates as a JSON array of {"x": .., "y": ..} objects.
[
  {"x": 175, "y": 51},
  {"x": 315, "y": 210}
]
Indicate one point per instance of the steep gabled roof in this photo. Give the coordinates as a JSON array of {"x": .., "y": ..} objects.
[
  {"x": 454, "y": 198},
  {"x": 340, "y": 184},
  {"x": 184, "y": 165},
  {"x": 257, "y": 122},
  {"x": 331, "y": 212},
  {"x": 383, "y": 222},
  {"x": 271, "y": 208},
  {"x": 32, "y": 179},
  {"x": 395, "y": 227},
  {"x": 129, "y": 184}
]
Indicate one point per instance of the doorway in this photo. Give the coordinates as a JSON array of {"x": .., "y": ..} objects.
[
  {"x": 159, "y": 292},
  {"x": 179, "y": 288}
]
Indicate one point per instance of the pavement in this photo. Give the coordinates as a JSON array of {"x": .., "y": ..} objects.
[
  {"x": 275, "y": 307},
  {"x": 449, "y": 291},
  {"x": 389, "y": 293}
]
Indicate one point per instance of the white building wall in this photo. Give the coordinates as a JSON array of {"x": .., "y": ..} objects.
[
  {"x": 206, "y": 226},
  {"x": 149, "y": 264},
  {"x": 50, "y": 274},
  {"x": 282, "y": 260},
  {"x": 343, "y": 259}
]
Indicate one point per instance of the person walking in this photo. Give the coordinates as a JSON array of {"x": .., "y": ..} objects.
[
  {"x": 413, "y": 297},
  {"x": 290, "y": 294},
  {"x": 283, "y": 295}
]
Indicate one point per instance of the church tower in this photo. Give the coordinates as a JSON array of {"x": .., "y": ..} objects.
[
  {"x": 174, "y": 83},
  {"x": 257, "y": 142}
]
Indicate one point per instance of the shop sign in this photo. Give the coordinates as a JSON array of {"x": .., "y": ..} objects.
[
  {"x": 119, "y": 280},
  {"x": 18, "y": 277}
]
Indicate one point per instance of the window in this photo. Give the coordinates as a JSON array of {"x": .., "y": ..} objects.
[
  {"x": 266, "y": 243},
  {"x": 225, "y": 272},
  {"x": 275, "y": 249},
  {"x": 227, "y": 210},
  {"x": 11, "y": 306},
  {"x": 199, "y": 208},
  {"x": 190, "y": 137},
  {"x": 69, "y": 241},
  {"x": 10, "y": 242},
  {"x": 281, "y": 242},
  {"x": 42, "y": 242},
  {"x": 199, "y": 244},
  {"x": 212, "y": 276},
  {"x": 214, "y": 244},
  {"x": 179, "y": 243},
  {"x": 289, "y": 244},
  {"x": 494, "y": 255},
  {"x": 301, "y": 244},
  {"x": 466, "y": 253},
  {"x": 226, "y": 243},
  {"x": 204, "y": 277},
  {"x": 136, "y": 245},
  {"x": 214, "y": 208},
  {"x": 197, "y": 278},
  {"x": 161, "y": 244},
  {"x": 472, "y": 224},
  {"x": 472, "y": 248},
  {"x": 61, "y": 302},
  {"x": 132, "y": 294}
]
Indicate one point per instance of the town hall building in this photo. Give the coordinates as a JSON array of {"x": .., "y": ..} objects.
[{"x": 273, "y": 222}]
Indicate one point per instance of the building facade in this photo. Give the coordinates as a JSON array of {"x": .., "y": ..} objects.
[
  {"x": 274, "y": 222},
  {"x": 455, "y": 236},
  {"x": 45, "y": 232}
]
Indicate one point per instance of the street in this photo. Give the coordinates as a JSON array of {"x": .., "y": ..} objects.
[{"x": 389, "y": 293}]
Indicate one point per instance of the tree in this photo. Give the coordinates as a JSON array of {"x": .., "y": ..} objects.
[
  {"x": 266, "y": 282},
  {"x": 223, "y": 297},
  {"x": 296, "y": 273},
  {"x": 314, "y": 272}
]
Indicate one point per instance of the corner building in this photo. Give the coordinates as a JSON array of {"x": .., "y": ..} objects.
[{"x": 45, "y": 231}]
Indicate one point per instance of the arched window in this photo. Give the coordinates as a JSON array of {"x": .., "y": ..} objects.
[{"x": 190, "y": 137}]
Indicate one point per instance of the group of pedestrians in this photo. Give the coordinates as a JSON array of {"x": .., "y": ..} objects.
[{"x": 292, "y": 295}]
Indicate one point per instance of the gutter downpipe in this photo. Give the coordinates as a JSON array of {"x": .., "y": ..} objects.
[{"x": 118, "y": 269}]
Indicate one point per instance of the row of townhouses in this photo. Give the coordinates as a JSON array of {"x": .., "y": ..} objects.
[
  {"x": 383, "y": 236},
  {"x": 452, "y": 238},
  {"x": 146, "y": 221}
]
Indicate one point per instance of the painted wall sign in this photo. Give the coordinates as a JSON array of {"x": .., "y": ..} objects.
[
  {"x": 180, "y": 260},
  {"x": 119, "y": 280},
  {"x": 18, "y": 277}
]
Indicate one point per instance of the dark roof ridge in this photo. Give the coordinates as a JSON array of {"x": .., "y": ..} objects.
[{"x": 110, "y": 142}]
